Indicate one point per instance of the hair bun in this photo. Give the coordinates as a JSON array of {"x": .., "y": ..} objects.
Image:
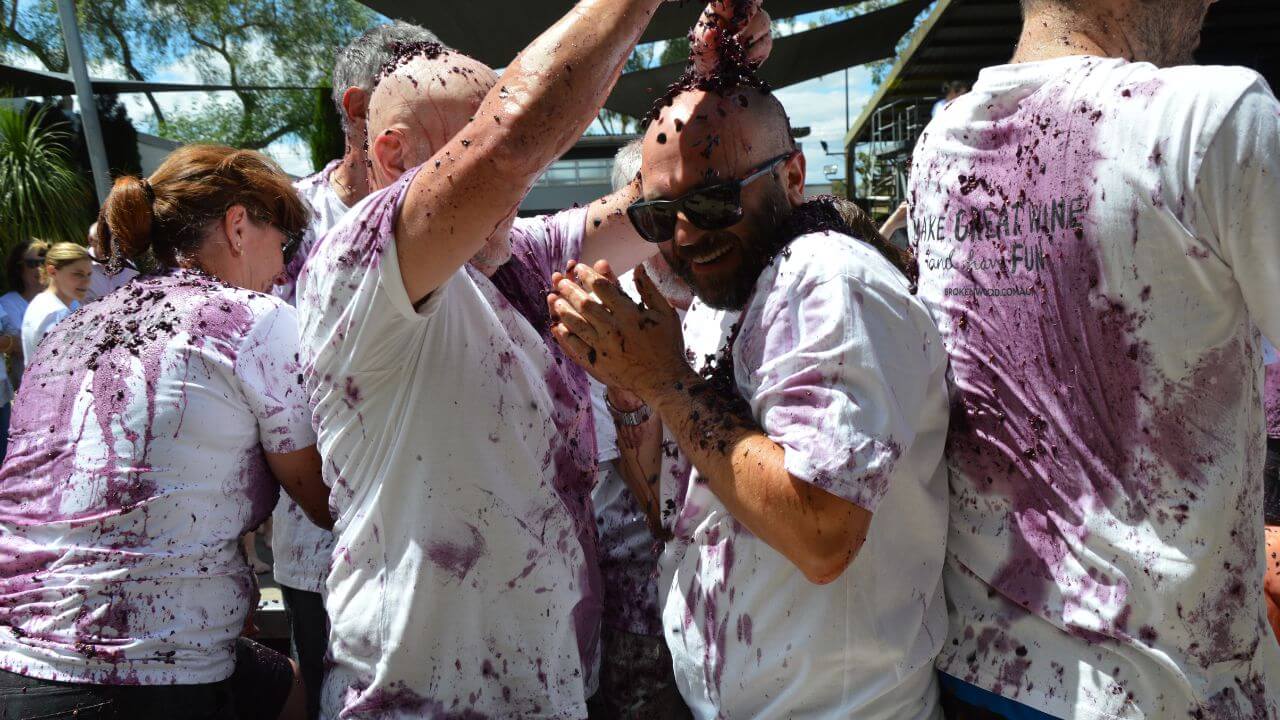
[{"x": 124, "y": 224}]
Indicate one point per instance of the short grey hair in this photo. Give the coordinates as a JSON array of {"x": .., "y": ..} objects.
[
  {"x": 626, "y": 164},
  {"x": 362, "y": 59}
]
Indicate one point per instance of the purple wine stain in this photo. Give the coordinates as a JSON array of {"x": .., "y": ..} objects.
[
  {"x": 457, "y": 558},
  {"x": 1060, "y": 409},
  {"x": 104, "y": 384},
  {"x": 524, "y": 281}
]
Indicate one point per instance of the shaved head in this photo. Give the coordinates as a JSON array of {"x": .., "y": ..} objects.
[
  {"x": 705, "y": 135},
  {"x": 705, "y": 138},
  {"x": 418, "y": 106}
]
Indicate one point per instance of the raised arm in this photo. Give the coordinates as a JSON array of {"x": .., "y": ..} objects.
[{"x": 542, "y": 104}]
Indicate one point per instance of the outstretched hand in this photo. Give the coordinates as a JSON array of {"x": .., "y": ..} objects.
[
  {"x": 744, "y": 20},
  {"x": 633, "y": 347}
]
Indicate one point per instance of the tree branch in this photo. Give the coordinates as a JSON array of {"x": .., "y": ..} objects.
[
  {"x": 45, "y": 55},
  {"x": 126, "y": 59},
  {"x": 274, "y": 135}
]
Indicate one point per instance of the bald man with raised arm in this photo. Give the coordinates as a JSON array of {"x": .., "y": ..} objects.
[
  {"x": 804, "y": 574},
  {"x": 458, "y": 440}
]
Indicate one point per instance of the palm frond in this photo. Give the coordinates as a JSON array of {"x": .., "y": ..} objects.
[{"x": 41, "y": 195}]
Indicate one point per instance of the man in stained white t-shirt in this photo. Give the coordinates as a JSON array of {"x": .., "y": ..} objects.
[
  {"x": 458, "y": 439},
  {"x": 804, "y": 578},
  {"x": 300, "y": 549},
  {"x": 1097, "y": 237}
]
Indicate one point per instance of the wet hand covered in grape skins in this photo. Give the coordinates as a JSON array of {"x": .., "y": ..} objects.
[
  {"x": 743, "y": 20},
  {"x": 621, "y": 344}
]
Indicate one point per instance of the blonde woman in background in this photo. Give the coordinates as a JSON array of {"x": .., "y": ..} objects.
[{"x": 67, "y": 272}]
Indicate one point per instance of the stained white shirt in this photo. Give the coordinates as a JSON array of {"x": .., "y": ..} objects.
[
  {"x": 459, "y": 445},
  {"x": 43, "y": 312},
  {"x": 136, "y": 461},
  {"x": 299, "y": 547},
  {"x": 845, "y": 370},
  {"x": 1098, "y": 243}
]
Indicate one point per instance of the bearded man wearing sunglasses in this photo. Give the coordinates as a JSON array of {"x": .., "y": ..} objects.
[{"x": 803, "y": 577}]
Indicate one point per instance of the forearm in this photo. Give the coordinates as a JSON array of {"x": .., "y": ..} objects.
[
  {"x": 611, "y": 236},
  {"x": 818, "y": 532},
  {"x": 540, "y": 106},
  {"x": 640, "y": 465},
  {"x": 300, "y": 474}
]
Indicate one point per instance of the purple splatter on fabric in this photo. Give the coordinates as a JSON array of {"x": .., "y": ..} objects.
[
  {"x": 1060, "y": 410},
  {"x": 100, "y": 541},
  {"x": 458, "y": 558},
  {"x": 524, "y": 281}
]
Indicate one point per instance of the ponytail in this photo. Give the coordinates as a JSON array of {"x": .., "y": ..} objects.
[{"x": 124, "y": 224}]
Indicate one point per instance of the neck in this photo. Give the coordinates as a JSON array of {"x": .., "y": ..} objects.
[
  {"x": 28, "y": 294},
  {"x": 1054, "y": 31},
  {"x": 64, "y": 297},
  {"x": 350, "y": 180}
]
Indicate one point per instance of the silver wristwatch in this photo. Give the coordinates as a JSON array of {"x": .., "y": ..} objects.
[{"x": 629, "y": 419}]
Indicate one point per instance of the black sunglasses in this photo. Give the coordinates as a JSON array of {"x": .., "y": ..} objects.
[
  {"x": 710, "y": 208},
  {"x": 292, "y": 241},
  {"x": 33, "y": 263}
]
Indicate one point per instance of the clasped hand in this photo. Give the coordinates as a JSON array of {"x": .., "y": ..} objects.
[{"x": 633, "y": 347}]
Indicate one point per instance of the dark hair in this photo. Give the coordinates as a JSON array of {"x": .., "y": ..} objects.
[
  {"x": 169, "y": 214},
  {"x": 361, "y": 61},
  {"x": 14, "y": 266}
]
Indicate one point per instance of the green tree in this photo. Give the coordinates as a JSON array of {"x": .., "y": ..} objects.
[
  {"x": 241, "y": 43},
  {"x": 325, "y": 138},
  {"x": 41, "y": 194}
]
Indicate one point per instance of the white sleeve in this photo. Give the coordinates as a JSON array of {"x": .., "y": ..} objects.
[
  {"x": 1239, "y": 186},
  {"x": 834, "y": 366},
  {"x": 352, "y": 295},
  {"x": 270, "y": 376}
]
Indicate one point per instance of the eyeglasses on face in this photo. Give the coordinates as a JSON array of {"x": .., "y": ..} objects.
[{"x": 710, "y": 208}]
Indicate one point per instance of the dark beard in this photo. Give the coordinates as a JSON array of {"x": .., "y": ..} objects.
[{"x": 757, "y": 252}]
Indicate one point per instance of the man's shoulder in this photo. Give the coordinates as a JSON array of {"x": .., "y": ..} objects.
[
  {"x": 316, "y": 181},
  {"x": 817, "y": 257},
  {"x": 367, "y": 228},
  {"x": 1196, "y": 97}
]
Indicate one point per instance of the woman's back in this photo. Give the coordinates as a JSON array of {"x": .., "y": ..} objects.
[{"x": 136, "y": 461}]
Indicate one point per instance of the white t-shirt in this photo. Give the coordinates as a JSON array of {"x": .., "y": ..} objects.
[
  {"x": 10, "y": 324},
  {"x": 458, "y": 442},
  {"x": 1097, "y": 239},
  {"x": 300, "y": 548},
  {"x": 43, "y": 312},
  {"x": 845, "y": 370},
  {"x": 135, "y": 463},
  {"x": 102, "y": 283},
  {"x": 326, "y": 209}
]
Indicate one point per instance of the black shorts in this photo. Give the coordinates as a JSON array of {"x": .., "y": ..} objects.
[{"x": 256, "y": 691}]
